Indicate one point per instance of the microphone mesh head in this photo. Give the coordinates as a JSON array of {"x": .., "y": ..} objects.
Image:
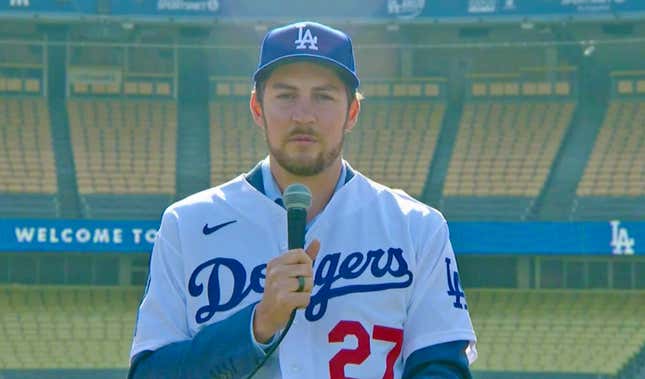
[{"x": 297, "y": 196}]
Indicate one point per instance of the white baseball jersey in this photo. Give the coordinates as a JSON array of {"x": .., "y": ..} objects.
[{"x": 386, "y": 281}]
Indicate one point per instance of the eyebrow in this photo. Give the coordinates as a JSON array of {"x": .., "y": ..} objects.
[{"x": 326, "y": 87}]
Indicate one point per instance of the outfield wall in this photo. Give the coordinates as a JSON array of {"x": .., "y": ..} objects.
[{"x": 477, "y": 238}]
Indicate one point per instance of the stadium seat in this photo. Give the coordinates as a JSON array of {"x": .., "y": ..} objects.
[
  {"x": 394, "y": 141},
  {"x": 613, "y": 182},
  {"x": 556, "y": 331},
  {"x": 28, "y": 181},
  {"x": 66, "y": 327},
  {"x": 236, "y": 143},
  {"x": 518, "y": 330},
  {"x": 124, "y": 143},
  {"x": 124, "y": 148},
  {"x": 27, "y": 157},
  {"x": 503, "y": 153}
]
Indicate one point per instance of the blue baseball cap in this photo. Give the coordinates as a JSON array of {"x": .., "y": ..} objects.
[{"x": 310, "y": 41}]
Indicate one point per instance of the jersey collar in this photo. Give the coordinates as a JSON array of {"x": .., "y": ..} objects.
[{"x": 257, "y": 178}]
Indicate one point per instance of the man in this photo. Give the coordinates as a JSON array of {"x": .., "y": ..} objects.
[{"x": 376, "y": 289}]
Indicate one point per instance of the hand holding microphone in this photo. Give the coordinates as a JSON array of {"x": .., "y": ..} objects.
[{"x": 289, "y": 277}]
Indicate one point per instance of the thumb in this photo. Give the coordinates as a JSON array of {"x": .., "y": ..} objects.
[{"x": 312, "y": 249}]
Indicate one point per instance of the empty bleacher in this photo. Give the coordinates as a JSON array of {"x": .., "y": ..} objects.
[
  {"x": 27, "y": 168},
  {"x": 504, "y": 150},
  {"x": 557, "y": 331},
  {"x": 395, "y": 138},
  {"x": 394, "y": 141},
  {"x": 125, "y": 156},
  {"x": 66, "y": 327},
  {"x": 537, "y": 331},
  {"x": 613, "y": 184},
  {"x": 236, "y": 143}
]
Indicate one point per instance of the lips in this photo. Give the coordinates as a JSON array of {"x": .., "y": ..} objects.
[{"x": 302, "y": 138}]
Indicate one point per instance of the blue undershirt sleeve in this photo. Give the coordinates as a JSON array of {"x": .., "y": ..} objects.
[
  {"x": 224, "y": 349},
  {"x": 442, "y": 361},
  {"x": 264, "y": 346}
]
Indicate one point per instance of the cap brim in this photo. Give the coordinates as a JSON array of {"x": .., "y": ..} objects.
[{"x": 353, "y": 79}]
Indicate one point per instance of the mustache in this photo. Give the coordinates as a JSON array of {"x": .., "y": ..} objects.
[{"x": 300, "y": 130}]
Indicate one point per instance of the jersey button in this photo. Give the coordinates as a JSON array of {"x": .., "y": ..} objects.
[{"x": 295, "y": 368}]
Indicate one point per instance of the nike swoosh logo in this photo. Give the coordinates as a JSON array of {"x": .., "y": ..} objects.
[{"x": 208, "y": 230}]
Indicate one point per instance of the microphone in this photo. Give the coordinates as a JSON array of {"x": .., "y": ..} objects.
[{"x": 296, "y": 198}]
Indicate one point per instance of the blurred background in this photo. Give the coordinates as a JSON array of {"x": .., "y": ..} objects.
[{"x": 523, "y": 121}]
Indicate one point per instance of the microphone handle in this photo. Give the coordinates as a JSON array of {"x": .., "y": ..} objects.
[{"x": 296, "y": 221}]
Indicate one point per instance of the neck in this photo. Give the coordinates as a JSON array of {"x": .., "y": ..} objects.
[{"x": 322, "y": 185}]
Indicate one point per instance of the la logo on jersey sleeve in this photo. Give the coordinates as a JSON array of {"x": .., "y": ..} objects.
[{"x": 454, "y": 287}]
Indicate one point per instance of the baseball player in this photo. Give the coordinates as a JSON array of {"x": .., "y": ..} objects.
[{"x": 376, "y": 289}]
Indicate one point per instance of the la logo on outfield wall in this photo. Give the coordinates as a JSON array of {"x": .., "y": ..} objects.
[{"x": 620, "y": 241}]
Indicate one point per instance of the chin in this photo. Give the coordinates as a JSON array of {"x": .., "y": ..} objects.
[{"x": 306, "y": 158}]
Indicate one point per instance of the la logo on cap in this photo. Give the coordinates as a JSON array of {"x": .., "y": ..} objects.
[{"x": 306, "y": 40}]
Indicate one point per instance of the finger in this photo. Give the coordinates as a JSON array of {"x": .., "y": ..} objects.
[
  {"x": 301, "y": 283},
  {"x": 307, "y": 284},
  {"x": 312, "y": 249},
  {"x": 294, "y": 256},
  {"x": 291, "y": 284},
  {"x": 292, "y": 270},
  {"x": 300, "y": 300},
  {"x": 289, "y": 258}
]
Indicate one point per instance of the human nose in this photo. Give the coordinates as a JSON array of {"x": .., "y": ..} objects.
[{"x": 303, "y": 112}]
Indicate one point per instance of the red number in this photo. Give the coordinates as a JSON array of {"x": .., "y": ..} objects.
[
  {"x": 359, "y": 355},
  {"x": 346, "y": 356},
  {"x": 383, "y": 333}
]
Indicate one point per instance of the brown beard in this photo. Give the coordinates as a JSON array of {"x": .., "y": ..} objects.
[{"x": 294, "y": 167}]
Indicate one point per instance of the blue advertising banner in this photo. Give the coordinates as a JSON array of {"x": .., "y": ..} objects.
[
  {"x": 77, "y": 236},
  {"x": 548, "y": 238},
  {"x": 535, "y": 238},
  {"x": 48, "y": 7},
  {"x": 520, "y": 8},
  {"x": 375, "y": 10}
]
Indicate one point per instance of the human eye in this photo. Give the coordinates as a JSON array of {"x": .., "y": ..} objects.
[
  {"x": 324, "y": 96},
  {"x": 285, "y": 95}
]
